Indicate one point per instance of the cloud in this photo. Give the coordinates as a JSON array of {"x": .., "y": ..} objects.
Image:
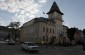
[
  {"x": 42, "y": 1},
  {"x": 2, "y": 0},
  {"x": 68, "y": 24},
  {"x": 24, "y": 9}
]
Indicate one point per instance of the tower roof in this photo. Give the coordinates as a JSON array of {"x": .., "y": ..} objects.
[{"x": 55, "y": 8}]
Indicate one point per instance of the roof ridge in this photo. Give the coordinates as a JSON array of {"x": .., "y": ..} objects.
[{"x": 54, "y": 7}]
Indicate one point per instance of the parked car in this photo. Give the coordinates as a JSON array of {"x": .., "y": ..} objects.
[
  {"x": 3, "y": 42},
  {"x": 73, "y": 42},
  {"x": 83, "y": 39},
  {"x": 10, "y": 42},
  {"x": 30, "y": 46}
]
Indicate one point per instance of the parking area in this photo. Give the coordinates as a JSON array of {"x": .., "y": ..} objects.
[{"x": 56, "y": 50}]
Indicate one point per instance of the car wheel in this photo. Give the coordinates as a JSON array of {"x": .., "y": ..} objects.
[
  {"x": 28, "y": 50},
  {"x": 37, "y": 50},
  {"x": 22, "y": 48}
]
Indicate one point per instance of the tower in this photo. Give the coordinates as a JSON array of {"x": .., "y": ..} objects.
[
  {"x": 56, "y": 15},
  {"x": 55, "y": 12}
]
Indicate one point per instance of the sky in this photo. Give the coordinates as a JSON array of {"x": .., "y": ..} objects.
[{"x": 25, "y": 10}]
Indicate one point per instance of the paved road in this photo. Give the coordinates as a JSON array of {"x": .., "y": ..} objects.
[{"x": 57, "y": 50}]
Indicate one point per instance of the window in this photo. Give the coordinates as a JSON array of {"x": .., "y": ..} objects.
[
  {"x": 31, "y": 30},
  {"x": 43, "y": 29},
  {"x": 50, "y": 30},
  {"x": 52, "y": 15},
  {"x": 46, "y": 29},
  {"x": 53, "y": 30},
  {"x": 43, "y": 38}
]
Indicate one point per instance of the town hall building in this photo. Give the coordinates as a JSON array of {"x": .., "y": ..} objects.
[{"x": 45, "y": 30}]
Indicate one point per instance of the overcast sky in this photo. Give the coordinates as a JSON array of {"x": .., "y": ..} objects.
[{"x": 25, "y": 10}]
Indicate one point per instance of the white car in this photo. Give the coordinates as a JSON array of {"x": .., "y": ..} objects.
[
  {"x": 10, "y": 42},
  {"x": 29, "y": 46},
  {"x": 2, "y": 42}
]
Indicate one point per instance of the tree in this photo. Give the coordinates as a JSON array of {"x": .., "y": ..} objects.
[
  {"x": 14, "y": 25},
  {"x": 84, "y": 31},
  {"x": 71, "y": 32},
  {"x": 14, "y": 29}
]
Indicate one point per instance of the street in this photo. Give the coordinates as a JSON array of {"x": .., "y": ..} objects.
[{"x": 56, "y": 50}]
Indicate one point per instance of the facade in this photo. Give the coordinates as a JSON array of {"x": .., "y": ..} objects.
[
  {"x": 3, "y": 32},
  {"x": 45, "y": 30},
  {"x": 38, "y": 30},
  {"x": 78, "y": 36}
]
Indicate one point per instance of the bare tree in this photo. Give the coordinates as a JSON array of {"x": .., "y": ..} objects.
[{"x": 14, "y": 30}]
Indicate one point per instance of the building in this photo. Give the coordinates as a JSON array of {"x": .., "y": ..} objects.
[
  {"x": 3, "y": 32},
  {"x": 45, "y": 30},
  {"x": 78, "y": 36}
]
